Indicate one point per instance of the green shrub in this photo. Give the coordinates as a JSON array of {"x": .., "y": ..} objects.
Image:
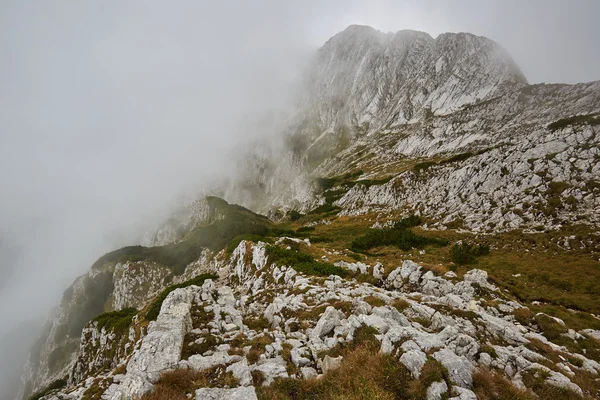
[
  {"x": 458, "y": 157},
  {"x": 154, "y": 308},
  {"x": 466, "y": 253},
  {"x": 231, "y": 246},
  {"x": 409, "y": 222},
  {"x": 549, "y": 326},
  {"x": 117, "y": 321},
  {"x": 589, "y": 119},
  {"x": 295, "y": 215},
  {"x": 303, "y": 262},
  {"x": 325, "y": 209},
  {"x": 423, "y": 165},
  {"x": 305, "y": 229},
  {"x": 399, "y": 235}
]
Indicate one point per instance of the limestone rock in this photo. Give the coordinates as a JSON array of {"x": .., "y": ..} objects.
[
  {"x": 459, "y": 368},
  {"x": 240, "y": 393},
  {"x": 436, "y": 390}
]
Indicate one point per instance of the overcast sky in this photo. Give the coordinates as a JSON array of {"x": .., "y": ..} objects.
[{"x": 110, "y": 109}]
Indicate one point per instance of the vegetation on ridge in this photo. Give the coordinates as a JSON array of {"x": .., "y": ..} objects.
[
  {"x": 117, "y": 321},
  {"x": 302, "y": 262},
  {"x": 235, "y": 221},
  {"x": 588, "y": 119},
  {"x": 155, "y": 306},
  {"x": 399, "y": 235}
]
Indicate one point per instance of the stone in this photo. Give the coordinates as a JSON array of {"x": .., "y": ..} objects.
[
  {"x": 328, "y": 321},
  {"x": 271, "y": 368},
  {"x": 480, "y": 277},
  {"x": 485, "y": 359},
  {"x": 241, "y": 372},
  {"x": 308, "y": 372},
  {"x": 374, "y": 321},
  {"x": 239, "y": 393},
  {"x": 463, "y": 394},
  {"x": 199, "y": 362},
  {"x": 330, "y": 363},
  {"x": 459, "y": 368},
  {"x": 436, "y": 390},
  {"x": 391, "y": 315},
  {"x": 161, "y": 348},
  {"x": 463, "y": 345},
  {"x": 414, "y": 360}
]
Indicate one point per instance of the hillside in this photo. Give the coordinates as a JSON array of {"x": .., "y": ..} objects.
[{"x": 430, "y": 231}]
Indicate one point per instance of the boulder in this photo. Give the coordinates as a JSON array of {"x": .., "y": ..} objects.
[
  {"x": 241, "y": 372},
  {"x": 199, "y": 362},
  {"x": 330, "y": 363},
  {"x": 328, "y": 321},
  {"x": 240, "y": 393},
  {"x": 459, "y": 368},
  {"x": 414, "y": 360},
  {"x": 436, "y": 390},
  {"x": 463, "y": 394}
]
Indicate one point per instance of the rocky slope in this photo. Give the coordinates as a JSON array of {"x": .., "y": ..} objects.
[
  {"x": 389, "y": 125},
  {"x": 262, "y": 321}
]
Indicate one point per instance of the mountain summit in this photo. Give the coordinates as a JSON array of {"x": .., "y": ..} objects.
[{"x": 362, "y": 76}]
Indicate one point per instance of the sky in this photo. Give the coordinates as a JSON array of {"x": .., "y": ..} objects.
[{"x": 111, "y": 111}]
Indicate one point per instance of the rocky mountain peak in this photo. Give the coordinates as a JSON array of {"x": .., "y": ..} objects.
[{"x": 372, "y": 80}]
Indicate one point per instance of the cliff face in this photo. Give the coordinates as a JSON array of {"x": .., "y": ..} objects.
[
  {"x": 389, "y": 125},
  {"x": 365, "y": 78}
]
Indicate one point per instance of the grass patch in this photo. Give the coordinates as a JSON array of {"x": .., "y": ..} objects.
[
  {"x": 231, "y": 246},
  {"x": 325, "y": 209},
  {"x": 433, "y": 371},
  {"x": 399, "y": 236},
  {"x": 363, "y": 374},
  {"x": 190, "y": 347},
  {"x": 154, "y": 308},
  {"x": 523, "y": 315},
  {"x": 303, "y": 262},
  {"x": 578, "y": 120},
  {"x": 423, "y": 166},
  {"x": 466, "y": 253},
  {"x": 535, "y": 380},
  {"x": 117, "y": 321},
  {"x": 181, "y": 384},
  {"x": 491, "y": 385},
  {"x": 400, "y": 304},
  {"x": 549, "y": 327},
  {"x": 374, "y": 301},
  {"x": 305, "y": 229},
  {"x": 257, "y": 323},
  {"x": 295, "y": 215}
]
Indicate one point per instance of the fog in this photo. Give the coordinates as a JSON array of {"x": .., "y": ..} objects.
[{"x": 111, "y": 112}]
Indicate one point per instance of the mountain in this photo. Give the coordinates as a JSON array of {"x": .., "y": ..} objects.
[
  {"x": 428, "y": 228},
  {"x": 365, "y": 78}
]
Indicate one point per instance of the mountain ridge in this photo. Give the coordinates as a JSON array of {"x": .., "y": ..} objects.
[{"x": 391, "y": 125}]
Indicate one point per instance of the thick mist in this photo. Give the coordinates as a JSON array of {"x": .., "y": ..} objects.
[{"x": 111, "y": 112}]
